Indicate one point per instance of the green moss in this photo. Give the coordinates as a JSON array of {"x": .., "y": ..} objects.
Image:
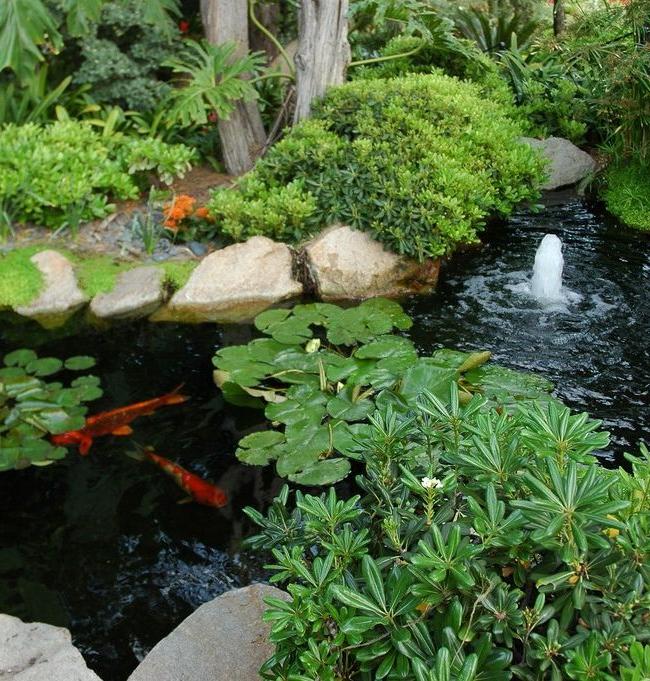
[
  {"x": 97, "y": 274},
  {"x": 20, "y": 279},
  {"x": 627, "y": 194},
  {"x": 178, "y": 272}
]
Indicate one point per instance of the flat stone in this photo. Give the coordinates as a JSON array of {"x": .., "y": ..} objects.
[
  {"x": 39, "y": 652},
  {"x": 137, "y": 293},
  {"x": 568, "y": 163},
  {"x": 348, "y": 264},
  {"x": 234, "y": 284},
  {"x": 223, "y": 640},
  {"x": 61, "y": 296}
]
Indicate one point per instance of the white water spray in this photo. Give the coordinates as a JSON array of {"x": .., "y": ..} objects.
[{"x": 546, "y": 284}]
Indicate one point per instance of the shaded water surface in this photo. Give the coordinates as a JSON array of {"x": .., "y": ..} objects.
[
  {"x": 596, "y": 349},
  {"x": 99, "y": 544}
]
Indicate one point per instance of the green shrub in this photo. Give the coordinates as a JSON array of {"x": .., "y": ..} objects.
[
  {"x": 626, "y": 193},
  {"x": 484, "y": 547},
  {"x": 67, "y": 171},
  {"x": 121, "y": 57},
  {"x": 420, "y": 162}
]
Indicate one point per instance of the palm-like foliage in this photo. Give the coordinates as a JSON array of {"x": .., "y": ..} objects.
[
  {"x": 212, "y": 80},
  {"x": 494, "y": 33}
]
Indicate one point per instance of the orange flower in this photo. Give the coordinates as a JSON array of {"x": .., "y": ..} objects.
[
  {"x": 202, "y": 213},
  {"x": 177, "y": 211}
]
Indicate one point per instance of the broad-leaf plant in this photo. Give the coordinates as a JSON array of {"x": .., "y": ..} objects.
[{"x": 33, "y": 406}]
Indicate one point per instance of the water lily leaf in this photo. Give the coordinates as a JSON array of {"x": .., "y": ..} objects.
[
  {"x": 265, "y": 350},
  {"x": 79, "y": 363},
  {"x": 270, "y": 317},
  {"x": 306, "y": 443},
  {"x": 450, "y": 359},
  {"x": 260, "y": 448},
  {"x": 325, "y": 472},
  {"x": 58, "y": 421},
  {"x": 19, "y": 358},
  {"x": 236, "y": 395},
  {"x": 46, "y": 366},
  {"x": 87, "y": 388},
  {"x": 290, "y": 331},
  {"x": 499, "y": 382},
  {"x": 308, "y": 406},
  {"x": 386, "y": 346},
  {"x": 344, "y": 406},
  {"x": 426, "y": 376},
  {"x": 348, "y": 438},
  {"x": 392, "y": 309}
]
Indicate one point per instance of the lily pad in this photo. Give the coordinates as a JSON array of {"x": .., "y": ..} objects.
[
  {"x": 260, "y": 448},
  {"x": 325, "y": 472}
]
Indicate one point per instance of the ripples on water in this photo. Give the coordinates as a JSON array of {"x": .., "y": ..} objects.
[
  {"x": 595, "y": 347},
  {"x": 99, "y": 544}
]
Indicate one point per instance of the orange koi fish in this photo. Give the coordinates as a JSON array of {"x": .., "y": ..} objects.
[
  {"x": 114, "y": 422},
  {"x": 201, "y": 491}
]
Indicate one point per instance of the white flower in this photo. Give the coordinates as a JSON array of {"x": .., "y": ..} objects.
[
  {"x": 312, "y": 346},
  {"x": 429, "y": 483}
]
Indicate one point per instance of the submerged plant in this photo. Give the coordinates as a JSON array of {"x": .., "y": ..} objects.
[
  {"x": 33, "y": 408},
  {"x": 484, "y": 546},
  {"x": 322, "y": 370}
]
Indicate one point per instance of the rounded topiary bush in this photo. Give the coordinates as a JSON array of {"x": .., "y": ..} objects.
[{"x": 420, "y": 162}]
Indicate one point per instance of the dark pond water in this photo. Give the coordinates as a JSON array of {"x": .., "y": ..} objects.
[
  {"x": 100, "y": 545},
  {"x": 596, "y": 351}
]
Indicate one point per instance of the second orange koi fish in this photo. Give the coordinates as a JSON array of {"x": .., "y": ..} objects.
[
  {"x": 201, "y": 491},
  {"x": 114, "y": 422}
]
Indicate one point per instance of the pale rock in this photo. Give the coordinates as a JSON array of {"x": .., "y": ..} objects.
[
  {"x": 60, "y": 297},
  {"x": 223, "y": 640},
  {"x": 568, "y": 164},
  {"x": 348, "y": 264},
  {"x": 137, "y": 293},
  {"x": 234, "y": 284},
  {"x": 39, "y": 652}
]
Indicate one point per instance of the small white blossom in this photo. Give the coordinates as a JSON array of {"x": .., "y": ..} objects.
[{"x": 429, "y": 483}]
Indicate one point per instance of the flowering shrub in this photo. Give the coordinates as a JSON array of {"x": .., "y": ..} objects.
[{"x": 484, "y": 546}]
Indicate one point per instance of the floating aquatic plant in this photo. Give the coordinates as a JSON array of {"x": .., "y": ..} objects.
[
  {"x": 32, "y": 406},
  {"x": 322, "y": 370}
]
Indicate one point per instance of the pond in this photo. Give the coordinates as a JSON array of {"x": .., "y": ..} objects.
[{"x": 99, "y": 544}]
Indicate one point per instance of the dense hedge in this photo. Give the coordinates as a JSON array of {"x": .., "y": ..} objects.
[
  {"x": 626, "y": 193},
  {"x": 419, "y": 161},
  {"x": 67, "y": 171}
]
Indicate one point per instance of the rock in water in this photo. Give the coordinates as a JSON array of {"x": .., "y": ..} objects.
[
  {"x": 235, "y": 283},
  {"x": 568, "y": 163},
  {"x": 137, "y": 293},
  {"x": 60, "y": 297},
  {"x": 223, "y": 640},
  {"x": 39, "y": 652},
  {"x": 348, "y": 264}
]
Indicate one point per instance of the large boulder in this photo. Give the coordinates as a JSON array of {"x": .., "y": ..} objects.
[
  {"x": 234, "y": 284},
  {"x": 39, "y": 652},
  {"x": 137, "y": 293},
  {"x": 223, "y": 640},
  {"x": 347, "y": 264},
  {"x": 60, "y": 297},
  {"x": 568, "y": 164}
]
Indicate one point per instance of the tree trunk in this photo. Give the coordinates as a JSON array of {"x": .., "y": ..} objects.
[
  {"x": 558, "y": 17},
  {"x": 323, "y": 50},
  {"x": 242, "y": 135}
]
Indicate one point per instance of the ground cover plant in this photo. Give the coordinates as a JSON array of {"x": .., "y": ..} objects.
[
  {"x": 66, "y": 172},
  {"x": 322, "y": 370},
  {"x": 420, "y": 162},
  {"x": 33, "y": 406},
  {"x": 483, "y": 545}
]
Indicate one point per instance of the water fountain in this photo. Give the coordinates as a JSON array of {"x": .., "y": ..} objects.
[{"x": 546, "y": 284}]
